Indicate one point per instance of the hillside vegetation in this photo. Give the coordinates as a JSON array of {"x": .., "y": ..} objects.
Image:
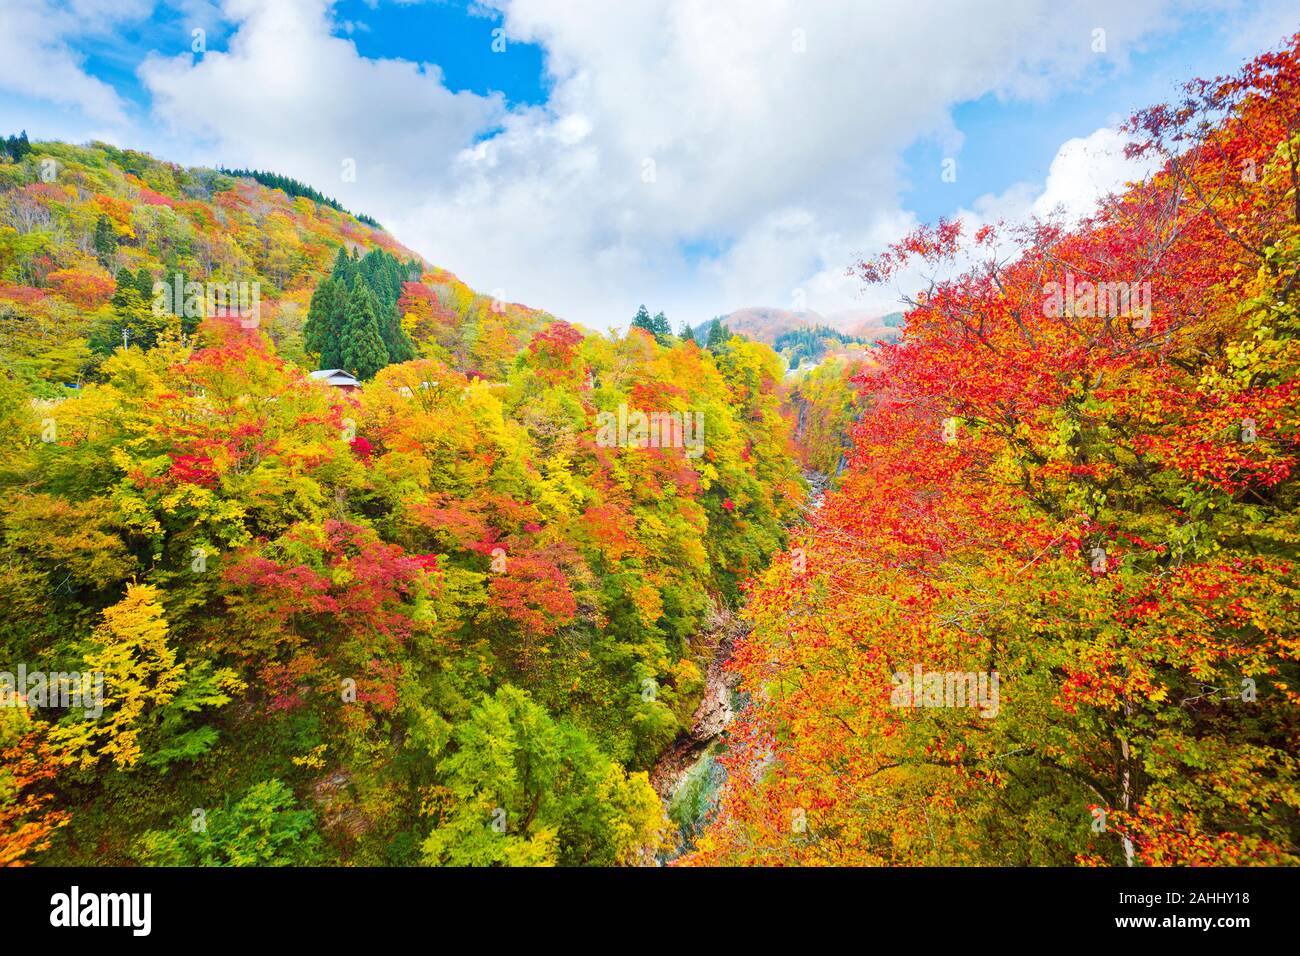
[
  {"x": 443, "y": 619},
  {"x": 1050, "y": 615}
]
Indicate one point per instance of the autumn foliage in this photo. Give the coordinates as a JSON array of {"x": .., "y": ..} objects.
[
  {"x": 1096, "y": 502},
  {"x": 308, "y": 604},
  {"x": 443, "y": 619}
]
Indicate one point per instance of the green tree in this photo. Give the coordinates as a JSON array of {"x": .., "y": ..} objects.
[
  {"x": 144, "y": 284},
  {"x": 134, "y": 322},
  {"x": 663, "y": 332},
  {"x": 642, "y": 320},
  {"x": 395, "y": 338},
  {"x": 345, "y": 266},
  {"x": 717, "y": 336},
  {"x": 530, "y": 791},
  {"x": 362, "y": 345},
  {"x": 105, "y": 239},
  {"x": 323, "y": 331},
  {"x": 176, "y": 278},
  {"x": 265, "y": 827},
  {"x": 17, "y": 146}
]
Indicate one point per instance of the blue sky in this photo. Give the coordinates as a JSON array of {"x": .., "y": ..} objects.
[
  {"x": 697, "y": 157},
  {"x": 458, "y": 37},
  {"x": 1010, "y": 141}
]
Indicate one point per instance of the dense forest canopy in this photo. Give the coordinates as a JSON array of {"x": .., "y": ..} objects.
[
  {"x": 1014, "y": 585},
  {"x": 1049, "y": 615},
  {"x": 434, "y": 621},
  {"x": 293, "y": 187}
]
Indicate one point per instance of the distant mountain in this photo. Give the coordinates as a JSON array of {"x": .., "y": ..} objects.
[
  {"x": 766, "y": 324},
  {"x": 868, "y": 326}
]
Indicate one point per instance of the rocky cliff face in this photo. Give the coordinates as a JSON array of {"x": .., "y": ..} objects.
[{"x": 714, "y": 713}]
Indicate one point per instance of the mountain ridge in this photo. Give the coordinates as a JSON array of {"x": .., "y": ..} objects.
[
  {"x": 75, "y": 218},
  {"x": 766, "y": 324}
]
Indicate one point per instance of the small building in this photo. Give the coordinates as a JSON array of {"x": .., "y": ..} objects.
[{"x": 338, "y": 378}]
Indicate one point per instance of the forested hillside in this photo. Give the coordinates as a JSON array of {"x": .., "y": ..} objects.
[
  {"x": 85, "y": 229},
  {"x": 1072, "y": 497},
  {"x": 449, "y": 617},
  {"x": 823, "y": 403},
  {"x": 1013, "y": 584}
]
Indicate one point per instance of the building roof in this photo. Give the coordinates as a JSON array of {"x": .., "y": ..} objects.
[{"x": 335, "y": 376}]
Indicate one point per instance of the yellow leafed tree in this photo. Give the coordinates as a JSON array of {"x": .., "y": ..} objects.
[{"x": 140, "y": 675}]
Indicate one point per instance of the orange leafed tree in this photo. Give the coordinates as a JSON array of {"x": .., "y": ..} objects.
[{"x": 1077, "y": 471}]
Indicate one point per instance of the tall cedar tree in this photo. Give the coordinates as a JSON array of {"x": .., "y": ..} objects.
[
  {"x": 105, "y": 240},
  {"x": 363, "y": 350},
  {"x": 323, "y": 332},
  {"x": 642, "y": 320}
]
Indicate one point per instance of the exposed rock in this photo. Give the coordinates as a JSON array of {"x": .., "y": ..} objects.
[
  {"x": 338, "y": 811},
  {"x": 714, "y": 712}
]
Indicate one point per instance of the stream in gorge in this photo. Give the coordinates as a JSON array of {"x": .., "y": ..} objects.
[{"x": 688, "y": 775}]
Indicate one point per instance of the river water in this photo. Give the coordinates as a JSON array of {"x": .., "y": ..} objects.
[{"x": 688, "y": 776}]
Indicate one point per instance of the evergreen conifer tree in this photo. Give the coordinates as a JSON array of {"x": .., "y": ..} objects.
[{"x": 363, "y": 350}]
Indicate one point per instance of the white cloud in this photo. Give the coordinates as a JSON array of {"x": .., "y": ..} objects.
[
  {"x": 38, "y": 58},
  {"x": 1254, "y": 25},
  {"x": 288, "y": 95},
  {"x": 1084, "y": 170},
  {"x": 790, "y": 154},
  {"x": 774, "y": 130}
]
